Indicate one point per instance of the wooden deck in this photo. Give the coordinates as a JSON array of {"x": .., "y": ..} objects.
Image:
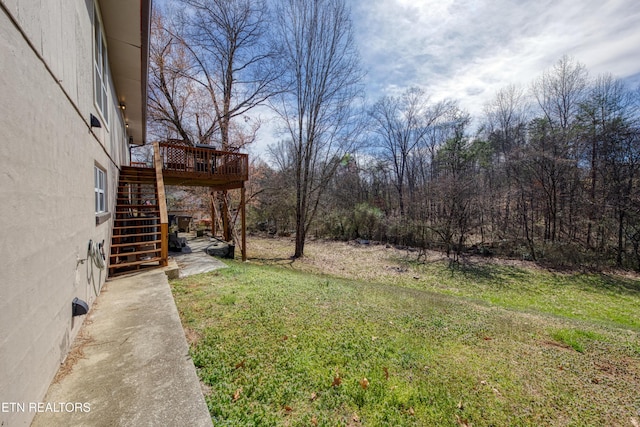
[
  {"x": 203, "y": 166},
  {"x": 141, "y": 241}
]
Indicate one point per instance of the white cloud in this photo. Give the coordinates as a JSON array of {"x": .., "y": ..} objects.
[
  {"x": 468, "y": 49},
  {"x": 268, "y": 133}
]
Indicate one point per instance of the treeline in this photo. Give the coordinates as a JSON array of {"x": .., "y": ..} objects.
[{"x": 549, "y": 173}]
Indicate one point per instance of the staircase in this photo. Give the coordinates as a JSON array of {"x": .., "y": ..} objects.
[{"x": 137, "y": 236}]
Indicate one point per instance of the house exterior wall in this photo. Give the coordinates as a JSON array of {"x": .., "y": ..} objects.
[{"x": 47, "y": 155}]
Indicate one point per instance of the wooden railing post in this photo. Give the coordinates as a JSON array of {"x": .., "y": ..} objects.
[{"x": 162, "y": 204}]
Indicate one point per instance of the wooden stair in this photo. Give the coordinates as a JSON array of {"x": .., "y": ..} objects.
[{"x": 136, "y": 239}]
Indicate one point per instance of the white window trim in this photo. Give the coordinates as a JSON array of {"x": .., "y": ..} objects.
[
  {"x": 100, "y": 61},
  {"x": 100, "y": 190}
]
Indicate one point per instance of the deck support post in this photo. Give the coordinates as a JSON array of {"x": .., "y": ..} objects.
[
  {"x": 243, "y": 219},
  {"x": 162, "y": 205},
  {"x": 226, "y": 226},
  {"x": 212, "y": 200}
]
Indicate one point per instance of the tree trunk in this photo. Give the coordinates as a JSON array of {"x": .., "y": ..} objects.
[
  {"x": 620, "y": 238},
  {"x": 300, "y": 238},
  {"x": 301, "y": 233}
]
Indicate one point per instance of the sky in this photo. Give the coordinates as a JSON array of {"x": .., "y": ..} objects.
[{"x": 467, "y": 50}]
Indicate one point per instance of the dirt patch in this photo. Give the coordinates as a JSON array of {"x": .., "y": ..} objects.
[
  {"x": 341, "y": 259},
  {"x": 75, "y": 354},
  {"x": 206, "y": 389},
  {"x": 356, "y": 260},
  {"x": 192, "y": 336},
  {"x": 620, "y": 367}
]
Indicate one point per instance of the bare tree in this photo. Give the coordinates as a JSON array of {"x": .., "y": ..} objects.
[
  {"x": 172, "y": 103},
  {"x": 317, "y": 109},
  {"x": 401, "y": 124},
  {"x": 506, "y": 117},
  {"x": 405, "y": 127},
  {"x": 214, "y": 62},
  {"x": 456, "y": 185},
  {"x": 608, "y": 118},
  {"x": 273, "y": 197},
  {"x": 233, "y": 54},
  {"x": 559, "y": 92}
]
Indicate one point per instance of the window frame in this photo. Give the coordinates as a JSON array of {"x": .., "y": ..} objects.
[
  {"x": 100, "y": 67},
  {"x": 100, "y": 190}
]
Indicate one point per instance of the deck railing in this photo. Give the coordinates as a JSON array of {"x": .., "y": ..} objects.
[{"x": 204, "y": 161}]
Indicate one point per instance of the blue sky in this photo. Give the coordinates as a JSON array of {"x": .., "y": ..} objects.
[{"x": 467, "y": 50}]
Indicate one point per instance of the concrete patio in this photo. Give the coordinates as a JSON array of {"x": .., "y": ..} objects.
[
  {"x": 130, "y": 364},
  {"x": 193, "y": 260}
]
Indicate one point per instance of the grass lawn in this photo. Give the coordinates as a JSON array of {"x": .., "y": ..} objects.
[{"x": 366, "y": 336}]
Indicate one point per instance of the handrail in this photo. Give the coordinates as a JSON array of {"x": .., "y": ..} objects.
[
  {"x": 204, "y": 161},
  {"x": 162, "y": 204}
]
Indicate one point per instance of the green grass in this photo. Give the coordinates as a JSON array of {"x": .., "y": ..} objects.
[
  {"x": 586, "y": 296},
  {"x": 575, "y": 338},
  {"x": 269, "y": 343}
]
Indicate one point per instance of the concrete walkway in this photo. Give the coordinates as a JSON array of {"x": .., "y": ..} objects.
[
  {"x": 193, "y": 259},
  {"x": 131, "y": 362}
]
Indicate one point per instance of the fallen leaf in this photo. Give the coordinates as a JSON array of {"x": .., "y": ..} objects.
[
  {"x": 483, "y": 382},
  {"x": 240, "y": 365},
  {"x": 355, "y": 418},
  {"x": 284, "y": 338},
  {"x": 411, "y": 411},
  {"x": 236, "y": 395},
  {"x": 364, "y": 383},
  {"x": 462, "y": 422},
  {"x": 336, "y": 381},
  {"x": 314, "y": 421},
  {"x": 460, "y": 405},
  {"x": 386, "y": 373},
  {"x": 288, "y": 409},
  {"x": 313, "y": 397}
]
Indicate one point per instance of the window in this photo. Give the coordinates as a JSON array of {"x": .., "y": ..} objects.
[
  {"x": 100, "y": 189},
  {"x": 101, "y": 67}
]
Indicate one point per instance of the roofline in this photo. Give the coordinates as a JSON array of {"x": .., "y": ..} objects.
[{"x": 146, "y": 7}]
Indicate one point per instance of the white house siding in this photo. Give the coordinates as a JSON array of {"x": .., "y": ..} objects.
[{"x": 47, "y": 157}]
